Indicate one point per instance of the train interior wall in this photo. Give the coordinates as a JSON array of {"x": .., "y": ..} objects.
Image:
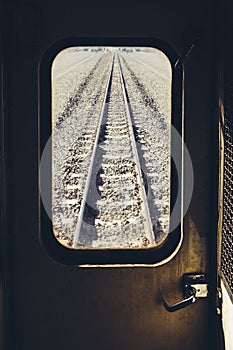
[{"x": 52, "y": 306}]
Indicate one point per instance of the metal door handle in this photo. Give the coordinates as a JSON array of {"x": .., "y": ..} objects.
[
  {"x": 183, "y": 303},
  {"x": 195, "y": 286}
]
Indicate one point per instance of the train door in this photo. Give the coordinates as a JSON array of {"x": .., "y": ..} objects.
[{"x": 54, "y": 304}]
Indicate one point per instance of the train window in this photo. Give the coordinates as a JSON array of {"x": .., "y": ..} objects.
[
  {"x": 110, "y": 148},
  {"x": 111, "y": 115}
]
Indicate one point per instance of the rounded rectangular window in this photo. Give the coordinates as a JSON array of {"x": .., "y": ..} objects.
[
  {"x": 111, "y": 118},
  {"x": 112, "y": 174}
]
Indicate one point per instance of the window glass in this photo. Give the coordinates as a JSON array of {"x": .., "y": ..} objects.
[{"x": 111, "y": 126}]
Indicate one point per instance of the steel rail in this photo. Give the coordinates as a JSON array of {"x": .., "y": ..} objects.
[
  {"x": 146, "y": 210},
  {"x": 132, "y": 142},
  {"x": 82, "y": 207}
]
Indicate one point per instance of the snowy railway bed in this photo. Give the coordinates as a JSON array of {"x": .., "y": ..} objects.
[{"x": 111, "y": 161}]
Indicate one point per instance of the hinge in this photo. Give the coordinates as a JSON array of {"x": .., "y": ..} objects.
[{"x": 219, "y": 301}]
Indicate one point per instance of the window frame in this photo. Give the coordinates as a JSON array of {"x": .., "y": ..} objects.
[{"x": 107, "y": 257}]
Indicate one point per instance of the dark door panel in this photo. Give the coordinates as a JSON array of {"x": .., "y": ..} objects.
[{"x": 50, "y": 305}]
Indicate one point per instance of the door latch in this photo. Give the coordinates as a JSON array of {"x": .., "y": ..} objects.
[{"x": 195, "y": 286}]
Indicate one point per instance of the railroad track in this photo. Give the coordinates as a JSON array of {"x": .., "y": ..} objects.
[
  {"x": 153, "y": 137},
  {"x": 73, "y": 142},
  {"x": 114, "y": 210}
]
